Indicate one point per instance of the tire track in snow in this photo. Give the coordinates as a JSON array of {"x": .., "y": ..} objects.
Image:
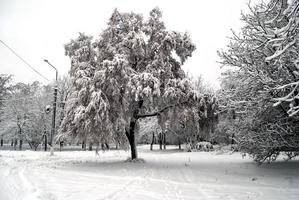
[
  {"x": 18, "y": 185},
  {"x": 31, "y": 191}
]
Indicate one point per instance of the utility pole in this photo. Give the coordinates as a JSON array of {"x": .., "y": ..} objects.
[{"x": 53, "y": 128}]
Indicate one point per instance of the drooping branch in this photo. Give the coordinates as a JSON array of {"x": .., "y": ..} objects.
[{"x": 156, "y": 113}]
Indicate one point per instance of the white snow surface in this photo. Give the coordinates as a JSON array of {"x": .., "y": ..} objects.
[{"x": 169, "y": 175}]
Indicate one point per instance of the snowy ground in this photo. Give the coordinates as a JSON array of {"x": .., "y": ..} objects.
[{"x": 171, "y": 174}]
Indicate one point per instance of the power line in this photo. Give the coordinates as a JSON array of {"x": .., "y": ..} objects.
[{"x": 24, "y": 60}]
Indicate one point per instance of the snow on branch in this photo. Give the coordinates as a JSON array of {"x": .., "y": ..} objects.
[
  {"x": 279, "y": 52},
  {"x": 139, "y": 116}
]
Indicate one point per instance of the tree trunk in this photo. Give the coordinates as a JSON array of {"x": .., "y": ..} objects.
[
  {"x": 164, "y": 140},
  {"x": 160, "y": 140},
  {"x": 133, "y": 147},
  {"x": 15, "y": 144},
  {"x": 153, "y": 141},
  {"x": 180, "y": 145},
  {"x": 30, "y": 145},
  {"x": 61, "y": 145},
  {"x": 131, "y": 138},
  {"x": 46, "y": 142},
  {"x": 11, "y": 144},
  {"x": 20, "y": 144},
  {"x": 90, "y": 146},
  {"x": 131, "y": 133},
  {"x": 20, "y": 137},
  {"x": 84, "y": 145},
  {"x": 1, "y": 142}
]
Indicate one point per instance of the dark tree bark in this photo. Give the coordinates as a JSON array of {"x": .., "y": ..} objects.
[
  {"x": 1, "y": 142},
  {"x": 20, "y": 144},
  {"x": 133, "y": 147},
  {"x": 30, "y": 145},
  {"x": 15, "y": 144},
  {"x": 90, "y": 146},
  {"x": 180, "y": 144},
  {"x": 11, "y": 144},
  {"x": 84, "y": 145},
  {"x": 105, "y": 146},
  {"x": 131, "y": 138},
  {"x": 46, "y": 142},
  {"x": 61, "y": 145},
  {"x": 132, "y": 128},
  {"x": 164, "y": 140},
  {"x": 20, "y": 136},
  {"x": 160, "y": 140},
  {"x": 33, "y": 145},
  {"x": 153, "y": 141}
]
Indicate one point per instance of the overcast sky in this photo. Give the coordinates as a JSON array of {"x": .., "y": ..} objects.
[{"x": 38, "y": 29}]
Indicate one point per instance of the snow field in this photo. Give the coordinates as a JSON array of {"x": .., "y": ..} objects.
[{"x": 169, "y": 175}]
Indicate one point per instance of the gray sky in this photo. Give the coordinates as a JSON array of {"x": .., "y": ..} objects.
[{"x": 38, "y": 29}]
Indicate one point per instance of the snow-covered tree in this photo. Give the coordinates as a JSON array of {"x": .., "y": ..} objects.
[
  {"x": 264, "y": 73},
  {"x": 24, "y": 117},
  {"x": 132, "y": 71},
  {"x": 281, "y": 34},
  {"x": 5, "y": 88}
]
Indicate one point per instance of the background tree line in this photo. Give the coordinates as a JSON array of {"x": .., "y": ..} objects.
[{"x": 26, "y": 111}]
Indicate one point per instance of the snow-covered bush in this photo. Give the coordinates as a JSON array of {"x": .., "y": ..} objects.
[{"x": 204, "y": 146}]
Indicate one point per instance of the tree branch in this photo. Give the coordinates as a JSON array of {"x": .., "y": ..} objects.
[{"x": 139, "y": 116}]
